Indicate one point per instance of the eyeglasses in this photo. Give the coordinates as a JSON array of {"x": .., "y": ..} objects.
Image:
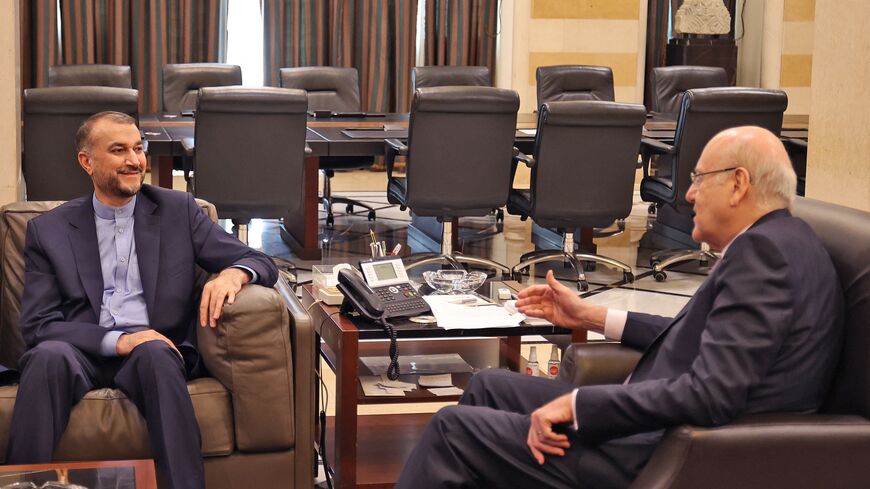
[{"x": 695, "y": 177}]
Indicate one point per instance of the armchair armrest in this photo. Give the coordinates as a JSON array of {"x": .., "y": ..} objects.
[
  {"x": 394, "y": 148},
  {"x": 763, "y": 451},
  {"x": 650, "y": 147},
  {"x": 189, "y": 146},
  {"x": 249, "y": 352},
  {"x": 527, "y": 159},
  {"x": 597, "y": 363}
]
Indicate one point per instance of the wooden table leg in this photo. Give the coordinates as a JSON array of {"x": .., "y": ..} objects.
[
  {"x": 300, "y": 229},
  {"x": 161, "y": 171},
  {"x": 511, "y": 352},
  {"x": 346, "y": 410}
]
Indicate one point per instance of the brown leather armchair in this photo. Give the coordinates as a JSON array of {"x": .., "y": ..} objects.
[
  {"x": 255, "y": 412},
  {"x": 773, "y": 450}
]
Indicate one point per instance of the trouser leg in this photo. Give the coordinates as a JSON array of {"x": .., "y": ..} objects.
[
  {"x": 153, "y": 377},
  {"x": 510, "y": 391},
  {"x": 55, "y": 376},
  {"x": 479, "y": 447}
]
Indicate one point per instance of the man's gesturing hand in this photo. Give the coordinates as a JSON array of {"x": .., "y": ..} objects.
[
  {"x": 222, "y": 288},
  {"x": 126, "y": 342},
  {"x": 542, "y": 439},
  {"x": 561, "y": 306}
]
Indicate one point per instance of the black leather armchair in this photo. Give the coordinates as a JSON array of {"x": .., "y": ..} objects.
[
  {"x": 250, "y": 152},
  {"x": 181, "y": 82},
  {"x": 336, "y": 90},
  {"x": 574, "y": 82},
  {"x": 770, "y": 451},
  {"x": 51, "y": 118},
  {"x": 704, "y": 113},
  {"x": 118, "y": 76},
  {"x": 450, "y": 76},
  {"x": 669, "y": 83},
  {"x": 582, "y": 176},
  {"x": 460, "y": 143}
]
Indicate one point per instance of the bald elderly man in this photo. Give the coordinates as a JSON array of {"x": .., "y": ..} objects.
[{"x": 760, "y": 335}]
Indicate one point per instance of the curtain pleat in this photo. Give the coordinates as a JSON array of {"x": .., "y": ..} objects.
[
  {"x": 375, "y": 36},
  {"x": 145, "y": 34},
  {"x": 461, "y": 33}
]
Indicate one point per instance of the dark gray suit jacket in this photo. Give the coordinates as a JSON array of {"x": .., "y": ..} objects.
[
  {"x": 63, "y": 281},
  {"x": 762, "y": 334}
]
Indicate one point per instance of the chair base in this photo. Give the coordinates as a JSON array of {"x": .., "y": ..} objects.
[
  {"x": 661, "y": 260},
  {"x": 447, "y": 256},
  {"x": 350, "y": 203}
]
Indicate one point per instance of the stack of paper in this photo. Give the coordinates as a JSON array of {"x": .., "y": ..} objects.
[
  {"x": 382, "y": 386},
  {"x": 511, "y": 307},
  {"x": 440, "y": 385},
  {"x": 468, "y": 311}
]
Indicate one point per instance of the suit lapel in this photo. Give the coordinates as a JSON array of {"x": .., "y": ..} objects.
[
  {"x": 83, "y": 240},
  {"x": 146, "y": 233}
]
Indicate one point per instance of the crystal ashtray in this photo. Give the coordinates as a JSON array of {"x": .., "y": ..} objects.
[{"x": 454, "y": 281}]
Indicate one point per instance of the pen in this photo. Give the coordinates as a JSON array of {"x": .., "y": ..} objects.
[
  {"x": 396, "y": 249},
  {"x": 383, "y": 248}
]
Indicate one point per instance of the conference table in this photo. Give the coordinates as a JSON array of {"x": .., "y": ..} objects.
[{"x": 330, "y": 137}]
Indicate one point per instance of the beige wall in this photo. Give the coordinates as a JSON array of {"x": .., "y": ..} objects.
[
  {"x": 594, "y": 32},
  {"x": 837, "y": 168},
  {"x": 798, "y": 29},
  {"x": 10, "y": 88}
]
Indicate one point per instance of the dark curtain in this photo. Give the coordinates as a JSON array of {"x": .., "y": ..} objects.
[
  {"x": 375, "y": 36},
  {"x": 657, "y": 35},
  {"x": 461, "y": 32},
  {"x": 145, "y": 34},
  {"x": 39, "y": 42}
]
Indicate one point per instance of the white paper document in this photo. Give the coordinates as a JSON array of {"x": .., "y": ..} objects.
[
  {"x": 446, "y": 391},
  {"x": 511, "y": 307},
  {"x": 467, "y": 311},
  {"x": 443, "y": 380},
  {"x": 381, "y": 386}
]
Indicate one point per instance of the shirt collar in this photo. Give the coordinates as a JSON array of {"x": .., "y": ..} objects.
[{"x": 109, "y": 213}]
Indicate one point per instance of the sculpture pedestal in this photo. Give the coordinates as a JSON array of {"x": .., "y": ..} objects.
[{"x": 704, "y": 51}]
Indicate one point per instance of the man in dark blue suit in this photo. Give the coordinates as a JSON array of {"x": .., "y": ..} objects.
[
  {"x": 110, "y": 301},
  {"x": 761, "y": 334}
]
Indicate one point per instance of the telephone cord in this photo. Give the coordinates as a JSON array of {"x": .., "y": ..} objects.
[{"x": 393, "y": 369}]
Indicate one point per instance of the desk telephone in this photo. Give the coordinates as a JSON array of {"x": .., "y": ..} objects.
[{"x": 385, "y": 293}]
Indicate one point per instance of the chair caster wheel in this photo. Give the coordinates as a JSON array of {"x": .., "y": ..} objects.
[
  {"x": 628, "y": 277},
  {"x": 660, "y": 276},
  {"x": 582, "y": 285},
  {"x": 330, "y": 222},
  {"x": 517, "y": 277},
  {"x": 651, "y": 209},
  {"x": 499, "y": 215},
  {"x": 349, "y": 209},
  {"x": 371, "y": 215}
]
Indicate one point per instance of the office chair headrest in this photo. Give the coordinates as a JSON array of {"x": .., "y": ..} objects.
[
  {"x": 466, "y": 99},
  {"x": 735, "y": 99},
  {"x": 574, "y": 82},
  {"x": 192, "y": 76},
  {"x": 592, "y": 113},
  {"x": 319, "y": 78},
  {"x": 261, "y": 100},
  {"x": 450, "y": 76},
  {"x": 682, "y": 78},
  {"x": 90, "y": 75},
  {"x": 80, "y": 100}
]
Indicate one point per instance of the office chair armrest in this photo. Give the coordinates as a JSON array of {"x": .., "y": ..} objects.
[
  {"x": 393, "y": 148},
  {"x": 250, "y": 353},
  {"x": 654, "y": 146},
  {"x": 189, "y": 146},
  {"x": 597, "y": 363},
  {"x": 527, "y": 159},
  {"x": 800, "y": 143},
  {"x": 763, "y": 451},
  {"x": 308, "y": 149}
]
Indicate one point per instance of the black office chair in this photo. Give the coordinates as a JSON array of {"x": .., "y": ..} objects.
[
  {"x": 181, "y": 82},
  {"x": 574, "y": 82},
  {"x": 582, "y": 176},
  {"x": 51, "y": 118},
  {"x": 450, "y": 76},
  {"x": 669, "y": 83},
  {"x": 797, "y": 153},
  {"x": 704, "y": 113},
  {"x": 250, "y": 152},
  {"x": 118, "y": 76},
  {"x": 337, "y": 90},
  {"x": 460, "y": 143}
]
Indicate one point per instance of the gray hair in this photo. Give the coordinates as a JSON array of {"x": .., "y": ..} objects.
[
  {"x": 770, "y": 171},
  {"x": 83, "y": 134}
]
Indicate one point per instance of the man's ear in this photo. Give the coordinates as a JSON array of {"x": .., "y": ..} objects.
[
  {"x": 741, "y": 186},
  {"x": 85, "y": 162}
]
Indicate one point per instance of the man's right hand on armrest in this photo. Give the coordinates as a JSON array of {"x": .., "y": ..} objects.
[{"x": 127, "y": 342}]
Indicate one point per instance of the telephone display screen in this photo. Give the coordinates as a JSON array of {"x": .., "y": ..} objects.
[{"x": 385, "y": 271}]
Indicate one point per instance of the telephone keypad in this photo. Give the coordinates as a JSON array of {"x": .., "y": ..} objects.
[{"x": 401, "y": 300}]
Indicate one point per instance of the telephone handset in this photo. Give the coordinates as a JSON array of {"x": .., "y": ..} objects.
[{"x": 358, "y": 296}]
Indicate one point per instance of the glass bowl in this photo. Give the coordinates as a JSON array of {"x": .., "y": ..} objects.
[{"x": 453, "y": 281}]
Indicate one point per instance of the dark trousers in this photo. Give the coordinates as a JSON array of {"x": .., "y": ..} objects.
[
  {"x": 481, "y": 443},
  {"x": 56, "y": 375}
]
